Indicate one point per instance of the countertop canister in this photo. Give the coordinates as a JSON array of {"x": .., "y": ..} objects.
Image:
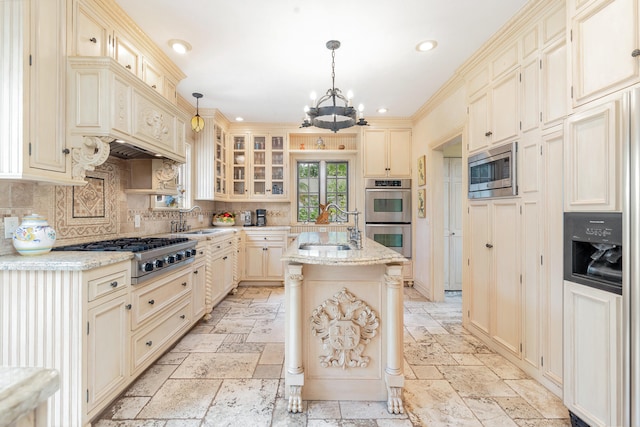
[{"x": 34, "y": 236}]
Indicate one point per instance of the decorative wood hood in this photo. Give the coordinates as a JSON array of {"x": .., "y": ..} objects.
[{"x": 111, "y": 110}]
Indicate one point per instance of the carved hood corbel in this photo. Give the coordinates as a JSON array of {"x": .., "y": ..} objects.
[{"x": 93, "y": 152}]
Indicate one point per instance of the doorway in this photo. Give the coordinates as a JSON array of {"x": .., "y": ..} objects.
[{"x": 452, "y": 205}]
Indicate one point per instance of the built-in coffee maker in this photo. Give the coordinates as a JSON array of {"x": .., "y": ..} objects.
[
  {"x": 261, "y": 217},
  {"x": 593, "y": 249}
]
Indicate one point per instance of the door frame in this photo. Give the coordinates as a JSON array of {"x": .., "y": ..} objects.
[{"x": 436, "y": 165}]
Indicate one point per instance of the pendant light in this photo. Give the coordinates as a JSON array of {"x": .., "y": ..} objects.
[{"x": 197, "y": 122}]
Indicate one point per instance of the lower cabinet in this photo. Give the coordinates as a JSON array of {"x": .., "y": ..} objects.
[
  {"x": 199, "y": 284},
  {"x": 593, "y": 343},
  {"x": 221, "y": 259},
  {"x": 494, "y": 268},
  {"x": 263, "y": 253}
]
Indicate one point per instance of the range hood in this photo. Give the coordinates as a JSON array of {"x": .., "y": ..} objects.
[{"x": 107, "y": 104}]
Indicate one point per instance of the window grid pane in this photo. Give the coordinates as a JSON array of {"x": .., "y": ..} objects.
[
  {"x": 311, "y": 190},
  {"x": 308, "y": 191},
  {"x": 337, "y": 189}
]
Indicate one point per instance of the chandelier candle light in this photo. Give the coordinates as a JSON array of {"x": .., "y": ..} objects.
[{"x": 333, "y": 116}]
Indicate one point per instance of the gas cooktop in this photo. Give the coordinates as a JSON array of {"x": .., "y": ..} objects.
[{"x": 130, "y": 244}]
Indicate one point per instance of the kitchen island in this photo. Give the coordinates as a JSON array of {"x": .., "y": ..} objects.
[{"x": 344, "y": 324}]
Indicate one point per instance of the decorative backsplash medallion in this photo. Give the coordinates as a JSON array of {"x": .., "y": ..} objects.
[
  {"x": 345, "y": 326},
  {"x": 90, "y": 210}
]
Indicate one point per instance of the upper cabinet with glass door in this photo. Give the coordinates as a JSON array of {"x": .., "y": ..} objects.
[
  {"x": 268, "y": 167},
  {"x": 239, "y": 166},
  {"x": 220, "y": 162}
]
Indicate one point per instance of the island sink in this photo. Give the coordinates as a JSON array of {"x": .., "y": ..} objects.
[{"x": 319, "y": 247}]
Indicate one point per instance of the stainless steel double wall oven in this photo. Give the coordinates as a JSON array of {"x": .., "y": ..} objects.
[{"x": 388, "y": 213}]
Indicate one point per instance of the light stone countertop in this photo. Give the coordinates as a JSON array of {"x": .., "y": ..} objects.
[
  {"x": 210, "y": 233},
  {"x": 371, "y": 253},
  {"x": 63, "y": 260},
  {"x": 23, "y": 389}
]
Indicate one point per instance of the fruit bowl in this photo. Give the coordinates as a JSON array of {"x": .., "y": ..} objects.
[{"x": 225, "y": 219}]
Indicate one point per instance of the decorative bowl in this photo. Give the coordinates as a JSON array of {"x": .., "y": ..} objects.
[{"x": 225, "y": 219}]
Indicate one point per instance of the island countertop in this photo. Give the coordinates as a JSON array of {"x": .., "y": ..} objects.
[
  {"x": 371, "y": 253},
  {"x": 22, "y": 389}
]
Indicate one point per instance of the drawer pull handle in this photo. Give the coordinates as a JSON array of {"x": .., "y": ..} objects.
[
  {"x": 151, "y": 301},
  {"x": 149, "y": 343},
  {"x": 195, "y": 272},
  {"x": 128, "y": 67},
  {"x": 93, "y": 40},
  {"x": 489, "y": 245},
  {"x": 635, "y": 53},
  {"x": 154, "y": 86},
  {"x": 114, "y": 284},
  {"x": 184, "y": 283},
  {"x": 224, "y": 258},
  {"x": 128, "y": 306},
  {"x": 488, "y": 133},
  {"x": 182, "y": 316}
]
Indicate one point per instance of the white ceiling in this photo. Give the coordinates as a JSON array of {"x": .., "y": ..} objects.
[{"x": 260, "y": 59}]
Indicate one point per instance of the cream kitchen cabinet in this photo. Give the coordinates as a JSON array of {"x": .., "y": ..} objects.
[
  {"x": 263, "y": 251},
  {"x": 555, "y": 89},
  {"x": 593, "y": 157},
  {"x": 268, "y": 166},
  {"x": 603, "y": 59},
  {"x": 161, "y": 313},
  {"x": 221, "y": 254},
  {"x": 108, "y": 351},
  {"x": 32, "y": 108},
  {"x": 211, "y": 162},
  {"x": 259, "y": 165},
  {"x": 387, "y": 153},
  {"x": 198, "y": 293},
  {"x": 593, "y": 365},
  {"x": 494, "y": 270},
  {"x": 494, "y": 114},
  {"x": 99, "y": 29}
]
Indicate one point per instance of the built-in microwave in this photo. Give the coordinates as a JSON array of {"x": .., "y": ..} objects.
[{"x": 492, "y": 173}]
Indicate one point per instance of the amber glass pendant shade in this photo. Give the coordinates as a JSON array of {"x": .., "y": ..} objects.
[{"x": 197, "y": 123}]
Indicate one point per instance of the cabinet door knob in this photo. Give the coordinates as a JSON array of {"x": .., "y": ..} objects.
[
  {"x": 128, "y": 306},
  {"x": 195, "y": 272},
  {"x": 93, "y": 40},
  {"x": 635, "y": 53},
  {"x": 128, "y": 67},
  {"x": 151, "y": 301},
  {"x": 489, "y": 133},
  {"x": 184, "y": 283},
  {"x": 182, "y": 316},
  {"x": 489, "y": 245},
  {"x": 149, "y": 343},
  {"x": 65, "y": 151},
  {"x": 114, "y": 284},
  {"x": 225, "y": 258},
  {"x": 154, "y": 86}
]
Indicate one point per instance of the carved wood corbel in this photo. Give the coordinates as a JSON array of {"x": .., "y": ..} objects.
[{"x": 93, "y": 152}]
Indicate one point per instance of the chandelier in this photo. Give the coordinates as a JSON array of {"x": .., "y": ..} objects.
[
  {"x": 333, "y": 116},
  {"x": 197, "y": 122}
]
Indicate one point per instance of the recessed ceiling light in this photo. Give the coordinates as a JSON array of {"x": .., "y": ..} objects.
[
  {"x": 239, "y": 119},
  {"x": 382, "y": 110},
  {"x": 179, "y": 46},
  {"x": 426, "y": 45}
]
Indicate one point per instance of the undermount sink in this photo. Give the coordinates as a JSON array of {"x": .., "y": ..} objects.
[
  {"x": 202, "y": 232},
  {"x": 320, "y": 247}
]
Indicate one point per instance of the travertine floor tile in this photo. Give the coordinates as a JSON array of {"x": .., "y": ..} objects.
[
  {"x": 151, "y": 380},
  {"x": 435, "y": 403},
  {"x": 245, "y": 402},
  {"x": 476, "y": 381},
  {"x": 488, "y": 411},
  {"x": 199, "y": 343},
  {"x": 217, "y": 365},
  {"x": 548, "y": 404},
  {"x": 502, "y": 367},
  {"x": 323, "y": 409},
  {"x": 181, "y": 399}
]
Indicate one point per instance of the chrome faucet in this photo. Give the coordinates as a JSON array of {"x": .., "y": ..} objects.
[
  {"x": 355, "y": 236},
  {"x": 181, "y": 225}
]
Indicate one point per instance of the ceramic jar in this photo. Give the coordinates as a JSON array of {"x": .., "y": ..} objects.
[{"x": 34, "y": 236}]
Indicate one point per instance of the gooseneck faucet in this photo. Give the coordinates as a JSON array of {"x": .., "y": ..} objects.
[
  {"x": 181, "y": 225},
  {"x": 355, "y": 236}
]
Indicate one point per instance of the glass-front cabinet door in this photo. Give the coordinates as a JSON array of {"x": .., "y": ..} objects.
[
  {"x": 239, "y": 166},
  {"x": 220, "y": 162},
  {"x": 268, "y": 167}
]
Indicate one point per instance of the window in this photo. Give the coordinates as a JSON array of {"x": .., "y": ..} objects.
[{"x": 322, "y": 182}]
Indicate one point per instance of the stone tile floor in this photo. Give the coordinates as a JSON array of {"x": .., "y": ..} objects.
[{"x": 228, "y": 371}]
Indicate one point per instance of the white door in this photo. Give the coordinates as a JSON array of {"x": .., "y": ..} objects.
[{"x": 452, "y": 223}]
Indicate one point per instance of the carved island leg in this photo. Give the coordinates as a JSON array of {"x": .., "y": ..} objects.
[
  {"x": 395, "y": 353},
  {"x": 295, "y": 372}
]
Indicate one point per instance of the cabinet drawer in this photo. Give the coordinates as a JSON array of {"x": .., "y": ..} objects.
[
  {"x": 222, "y": 244},
  {"x": 257, "y": 238},
  {"x": 108, "y": 283},
  {"x": 154, "y": 298},
  {"x": 152, "y": 340}
]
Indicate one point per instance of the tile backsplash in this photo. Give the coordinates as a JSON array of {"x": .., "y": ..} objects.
[{"x": 103, "y": 210}]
